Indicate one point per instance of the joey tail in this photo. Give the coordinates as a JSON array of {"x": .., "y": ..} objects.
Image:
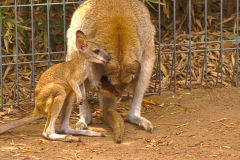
[{"x": 20, "y": 122}]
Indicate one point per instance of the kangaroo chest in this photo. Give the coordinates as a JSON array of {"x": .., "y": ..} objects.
[{"x": 84, "y": 72}]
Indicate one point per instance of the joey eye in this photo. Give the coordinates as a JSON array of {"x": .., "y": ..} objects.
[{"x": 96, "y": 51}]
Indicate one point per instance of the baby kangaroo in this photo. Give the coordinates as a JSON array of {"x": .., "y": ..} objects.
[{"x": 59, "y": 87}]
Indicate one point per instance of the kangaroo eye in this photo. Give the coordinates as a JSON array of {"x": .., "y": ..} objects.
[{"x": 96, "y": 51}]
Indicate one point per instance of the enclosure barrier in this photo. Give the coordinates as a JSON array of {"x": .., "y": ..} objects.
[{"x": 17, "y": 57}]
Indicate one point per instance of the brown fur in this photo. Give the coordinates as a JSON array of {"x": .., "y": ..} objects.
[{"x": 124, "y": 29}]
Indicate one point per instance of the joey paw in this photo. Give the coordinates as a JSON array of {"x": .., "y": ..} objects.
[
  {"x": 80, "y": 101},
  {"x": 80, "y": 125},
  {"x": 97, "y": 87}
]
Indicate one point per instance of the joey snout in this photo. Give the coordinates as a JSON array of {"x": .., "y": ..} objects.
[{"x": 105, "y": 57}]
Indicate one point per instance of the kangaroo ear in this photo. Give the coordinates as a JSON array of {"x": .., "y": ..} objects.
[
  {"x": 133, "y": 67},
  {"x": 81, "y": 40}
]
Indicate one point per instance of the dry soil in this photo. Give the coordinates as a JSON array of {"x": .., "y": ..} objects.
[{"x": 202, "y": 124}]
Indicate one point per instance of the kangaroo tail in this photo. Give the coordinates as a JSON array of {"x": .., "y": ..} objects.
[
  {"x": 115, "y": 121},
  {"x": 20, "y": 122}
]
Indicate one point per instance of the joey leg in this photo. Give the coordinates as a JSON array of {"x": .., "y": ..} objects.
[
  {"x": 64, "y": 122},
  {"x": 112, "y": 117},
  {"x": 85, "y": 116},
  {"x": 134, "y": 115},
  {"x": 54, "y": 110},
  {"x": 95, "y": 74}
]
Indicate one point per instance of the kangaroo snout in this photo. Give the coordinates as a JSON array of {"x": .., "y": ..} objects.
[{"x": 108, "y": 58}]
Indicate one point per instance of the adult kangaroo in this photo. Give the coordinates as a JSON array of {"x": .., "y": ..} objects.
[{"x": 124, "y": 30}]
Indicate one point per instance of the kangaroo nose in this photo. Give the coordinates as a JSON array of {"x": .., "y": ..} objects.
[{"x": 108, "y": 58}]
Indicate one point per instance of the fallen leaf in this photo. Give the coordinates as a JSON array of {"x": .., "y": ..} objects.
[
  {"x": 220, "y": 120},
  {"x": 19, "y": 144},
  {"x": 227, "y": 125},
  {"x": 149, "y": 102},
  {"x": 168, "y": 124},
  {"x": 28, "y": 158},
  {"x": 81, "y": 144},
  {"x": 227, "y": 147},
  {"x": 22, "y": 135},
  {"x": 172, "y": 154},
  {"x": 27, "y": 151},
  {"x": 43, "y": 141}
]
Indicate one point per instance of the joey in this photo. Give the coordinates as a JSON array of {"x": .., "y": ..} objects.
[{"x": 59, "y": 87}]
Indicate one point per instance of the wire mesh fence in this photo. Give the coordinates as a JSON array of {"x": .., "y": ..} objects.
[{"x": 33, "y": 37}]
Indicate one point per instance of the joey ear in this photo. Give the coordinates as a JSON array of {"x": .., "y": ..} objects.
[
  {"x": 133, "y": 67},
  {"x": 81, "y": 40}
]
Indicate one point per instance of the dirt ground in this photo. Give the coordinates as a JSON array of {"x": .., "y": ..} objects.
[{"x": 202, "y": 124}]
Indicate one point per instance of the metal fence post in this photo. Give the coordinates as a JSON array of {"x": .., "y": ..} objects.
[
  {"x": 16, "y": 33},
  {"x": 1, "y": 70},
  {"x": 220, "y": 63},
  {"x": 189, "y": 65},
  {"x": 33, "y": 57}
]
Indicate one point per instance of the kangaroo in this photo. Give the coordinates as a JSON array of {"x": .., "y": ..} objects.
[
  {"x": 124, "y": 29},
  {"x": 59, "y": 87}
]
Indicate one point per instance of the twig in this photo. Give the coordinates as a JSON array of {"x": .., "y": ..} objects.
[
  {"x": 171, "y": 124},
  {"x": 226, "y": 125},
  {"x": 220, "y": 120}
]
